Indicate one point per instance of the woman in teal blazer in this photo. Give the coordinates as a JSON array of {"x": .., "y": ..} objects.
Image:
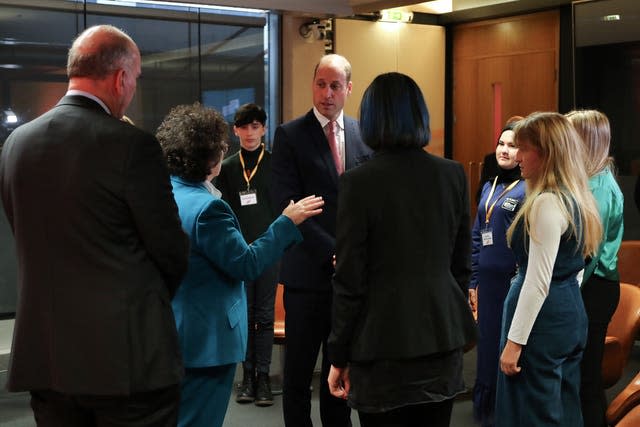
[{"x": 210, "y": 306}]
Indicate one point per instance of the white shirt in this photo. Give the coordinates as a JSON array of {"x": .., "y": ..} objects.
[
  {"x": 212, "y": 189},
  {"x": 548, "y": 225},
  {"x": 339, "y": 131}
]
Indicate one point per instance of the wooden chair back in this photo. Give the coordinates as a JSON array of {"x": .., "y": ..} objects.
[
  {"x": 624, "y": 409},
  {"x": 629, "y": 261}
]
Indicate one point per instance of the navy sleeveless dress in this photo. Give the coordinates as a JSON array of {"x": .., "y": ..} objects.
[{"x": 546, "y": 392}]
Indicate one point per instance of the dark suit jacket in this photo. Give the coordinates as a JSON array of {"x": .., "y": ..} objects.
[
  {"x": 403, "y": 253},
  {"x": 254, "y": 219},
  {"x": 302, "y": 165},
  {"x": 100, "y": 253}
]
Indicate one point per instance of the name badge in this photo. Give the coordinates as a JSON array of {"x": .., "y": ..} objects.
[
  {"x": 487, "y": 237},
  {"x": 510, "y": 204},
  {"x": 249, "y": 197}
]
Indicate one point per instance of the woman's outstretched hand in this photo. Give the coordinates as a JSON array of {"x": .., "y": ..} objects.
[{"x": 303, "y": 209}]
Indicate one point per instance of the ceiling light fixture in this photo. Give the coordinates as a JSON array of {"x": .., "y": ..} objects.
[
  {"x": 10, "y": 116},
  {"x": 395, "y": 15},
  {"x": 608, "y": 18}
]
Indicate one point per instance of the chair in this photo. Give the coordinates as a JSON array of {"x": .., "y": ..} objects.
[
  {"x": 629, "y": 262},
  {"x": 278, "y": 336},
  {"x": 624, "y": 409},
  {"x": 621, "y": 333}
]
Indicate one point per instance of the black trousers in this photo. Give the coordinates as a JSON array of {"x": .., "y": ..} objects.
[
  {"x": 436, "y": 414},
  {"x": 158, "y": 408},
  {"x": 307, "y": 327},
  {"x": 261, "y": 296},
  {"x": 600, "y": 298}
]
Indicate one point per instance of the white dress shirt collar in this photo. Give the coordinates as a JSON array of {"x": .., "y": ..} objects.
[
  {"x": 323, "y": 120},
  {"x": 90, "y": 96}
]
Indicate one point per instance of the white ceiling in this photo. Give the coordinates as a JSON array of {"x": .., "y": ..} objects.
[
  {"x": 459, "y": 9},
  {"x": 343, "y": 8},
  {"x": 591, "y": 27}
]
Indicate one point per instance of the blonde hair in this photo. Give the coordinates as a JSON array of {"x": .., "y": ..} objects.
[
  {"x": 562, "y": 174},
  {"x": 593, "y": 128}
]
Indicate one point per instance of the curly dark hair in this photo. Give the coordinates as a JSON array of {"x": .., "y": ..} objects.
[{"x": 192, "y": 138}]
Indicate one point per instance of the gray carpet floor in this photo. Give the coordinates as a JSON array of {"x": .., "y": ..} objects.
[{"x": 15, "y": 410}]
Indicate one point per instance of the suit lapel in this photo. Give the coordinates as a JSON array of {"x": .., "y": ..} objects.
[{"x": 349, "y": 146}]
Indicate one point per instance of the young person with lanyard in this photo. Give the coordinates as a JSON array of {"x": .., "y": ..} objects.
[
  {"x": 493, "y": 265},
  {"x": 244, "y": 182}
]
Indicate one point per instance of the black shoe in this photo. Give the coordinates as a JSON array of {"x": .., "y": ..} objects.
[
  {"x": 264, "y": 397},
  {"x": 246, "y": 393}
]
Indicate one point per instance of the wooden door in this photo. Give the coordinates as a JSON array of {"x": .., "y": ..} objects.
[{"x": 501, "y": 68}]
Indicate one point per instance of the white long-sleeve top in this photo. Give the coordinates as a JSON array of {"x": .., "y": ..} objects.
[{"x": 547, "y": 224}]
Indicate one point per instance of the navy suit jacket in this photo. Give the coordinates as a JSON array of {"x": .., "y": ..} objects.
[
  {"x": 302, "y": 165},
  {"x": 100, "y": 252}
]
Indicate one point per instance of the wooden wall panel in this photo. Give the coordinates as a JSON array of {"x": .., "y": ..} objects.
[
  {"x": 518, "y": 54},
  {"x": 505, "y": 36},
  {"x": 379, "y": 47}
]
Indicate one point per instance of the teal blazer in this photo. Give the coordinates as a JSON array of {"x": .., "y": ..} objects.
[{"x": 210, "y": 306}]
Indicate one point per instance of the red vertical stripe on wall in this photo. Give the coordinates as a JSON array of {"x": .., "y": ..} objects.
[{"x": 497, "y": 110}]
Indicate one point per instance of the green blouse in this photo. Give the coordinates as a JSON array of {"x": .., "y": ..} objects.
[{"x": 610, "y": 203}]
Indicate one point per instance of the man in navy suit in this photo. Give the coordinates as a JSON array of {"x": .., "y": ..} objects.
[
  {"x": 100, "y": 251},
  {"x": 307, "y": 158}
]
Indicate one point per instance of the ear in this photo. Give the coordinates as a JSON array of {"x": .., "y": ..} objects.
[
  {"x": 235, "y": 131},
  {"x": 119, "y": 81},
  {"x": 349, "y": 87}
]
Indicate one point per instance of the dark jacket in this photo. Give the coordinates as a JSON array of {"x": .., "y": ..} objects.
[
  {"x": 403, "y": 259},
  {"x": 100, "y": 253},
  {"x": 301, "y": 165},
  {"x": 254, "y": 219}
]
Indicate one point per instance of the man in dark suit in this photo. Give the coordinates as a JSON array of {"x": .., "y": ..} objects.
[
  {"x": 308, "y": 154},
  {"x": 100, "y": 251}
]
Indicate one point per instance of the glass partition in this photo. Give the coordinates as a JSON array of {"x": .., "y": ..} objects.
[
  {"x": 218, "y": 56},
  {"x": 607, "y": 78}
]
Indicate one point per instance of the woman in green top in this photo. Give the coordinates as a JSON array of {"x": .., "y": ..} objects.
[{"x": 601, "y": 282}]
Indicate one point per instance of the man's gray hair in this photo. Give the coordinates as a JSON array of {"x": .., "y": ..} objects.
[{"x": 99, "y": 56}]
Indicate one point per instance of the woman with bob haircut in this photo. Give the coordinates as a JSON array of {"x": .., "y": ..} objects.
[
  {"x": 601, "y": 281},
  {"x": 544, "y": 326},
  {"x": 401, "y": 318},
  {"x": 210, "y": 306}
]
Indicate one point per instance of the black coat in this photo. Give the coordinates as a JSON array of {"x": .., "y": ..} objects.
[
  {"x": 403, "y": 259},
  {"x": 100, "y": 253}
]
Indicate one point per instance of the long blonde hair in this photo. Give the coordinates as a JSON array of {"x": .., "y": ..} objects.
[
  {"x": 593, "y": 127},
  {"x": 561, "y": 173}
]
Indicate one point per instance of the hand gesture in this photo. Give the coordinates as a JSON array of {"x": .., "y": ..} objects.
[{"x": 303, "y": 209}]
